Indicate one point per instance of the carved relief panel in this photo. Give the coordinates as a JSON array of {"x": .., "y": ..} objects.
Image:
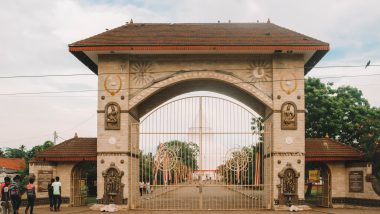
[
  {"x": 260, "y": 74},
  {"x": 288, "y": 187},
  {"x": 288, "y": 116},
  {"x": 112, "y": 84},
  {"x": 113, "y": 188},
  {"x": 112, "y": 116}
]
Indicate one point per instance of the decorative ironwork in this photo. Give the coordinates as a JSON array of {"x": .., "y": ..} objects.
[
  {"x": 236, "y": 160},
  {"x": 166, "y": 159},
  {"x": 112, "y": 116},
  {"x": 193, "y": 156}
]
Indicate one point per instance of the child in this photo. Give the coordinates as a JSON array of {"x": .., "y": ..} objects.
[{"x": 31, "y": 195}]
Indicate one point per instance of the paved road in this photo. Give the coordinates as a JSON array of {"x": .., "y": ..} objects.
[
  {"x": 212, "y": 197},
  {"x": 82, "y": 210}
]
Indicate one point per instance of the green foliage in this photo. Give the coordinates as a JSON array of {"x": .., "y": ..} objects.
[
  {"x": 146, "y": 167},
  {"x": 15, "y": 153},
  {"x": 186, "y": 153},
  {"x": 246, "y": 176},
  {"x": 342, "y": 113},
  {"x": 27, "y": 155}
]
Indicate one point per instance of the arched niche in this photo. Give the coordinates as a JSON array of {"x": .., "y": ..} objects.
[
  {"x": 288, "y": 187},
  {"x": 113, "y": 187}
]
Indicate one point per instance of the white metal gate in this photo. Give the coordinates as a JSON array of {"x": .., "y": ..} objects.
[{"x": 202, "y": 153}]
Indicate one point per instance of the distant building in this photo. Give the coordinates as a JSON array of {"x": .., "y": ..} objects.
[{"x": 11, "y": 167}]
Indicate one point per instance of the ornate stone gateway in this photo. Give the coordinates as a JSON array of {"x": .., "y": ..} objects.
[
  {"x": 204, "y": 160},
  {"x": 142, "y": 66}
]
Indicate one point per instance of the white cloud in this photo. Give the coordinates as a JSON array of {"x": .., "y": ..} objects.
[{"x": 35, "y": 35}]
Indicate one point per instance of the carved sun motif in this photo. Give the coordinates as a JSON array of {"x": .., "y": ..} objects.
[
  {"x": 141, "y": 72},
  {"x": 260, "y": 70}
]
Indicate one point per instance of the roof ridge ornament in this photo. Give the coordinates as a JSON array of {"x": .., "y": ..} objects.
[{"x": 268, "y": 20}]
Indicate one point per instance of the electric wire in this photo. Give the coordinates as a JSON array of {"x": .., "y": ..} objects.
[
  {"x": 183, "y": 70},
  {"x": 158, "y": 87}
]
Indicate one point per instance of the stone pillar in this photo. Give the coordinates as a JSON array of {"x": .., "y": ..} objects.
[
  {"x": 288, "y": 127},
  {"x": 114, "y": 122}
]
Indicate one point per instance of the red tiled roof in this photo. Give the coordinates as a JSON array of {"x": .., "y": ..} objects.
[
  {"x": 194, "y": 34},
  {"x": 12, "y": 163},
  {"x": 74, "y": 149},
  {"x": 198, "y": 37},
  {"x": 326, "y": 149}
]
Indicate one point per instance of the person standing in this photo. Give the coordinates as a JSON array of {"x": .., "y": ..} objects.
[
  {"x": 57, "y": 194},
  {"x": 141, "y": 185},
  {"x": 31, "y": 196},
  {"x": 5, "y": 199},
  {"x": 148, "y": 187},
  {"x": 15, "y": 194},
  {"x": 51, "y": 196}
]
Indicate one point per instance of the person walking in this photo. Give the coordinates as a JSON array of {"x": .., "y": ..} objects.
[
  {"x": 5, "y": 199},
  {"x": 31, "y": 196},
  {"x": 14, "y": 190},
  {"x": 50, "y": 193},
  {"x": 57, "y": 194}
]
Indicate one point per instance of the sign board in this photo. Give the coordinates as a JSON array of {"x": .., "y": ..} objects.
[
  {"x": 355, "y": 181},
  {"x": 314, "y": 175},
  {"x": 44, "y": 178}
]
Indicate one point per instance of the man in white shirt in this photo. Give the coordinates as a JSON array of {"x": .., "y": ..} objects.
[
  {"x": 57, "y": 194},
  {"x": 141, "y": 185}
]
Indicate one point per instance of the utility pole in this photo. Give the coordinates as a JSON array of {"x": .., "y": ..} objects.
[{"x": 55, "y": 135}]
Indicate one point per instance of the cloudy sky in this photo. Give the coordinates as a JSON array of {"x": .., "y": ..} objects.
[{"x": 34, "y": 36}]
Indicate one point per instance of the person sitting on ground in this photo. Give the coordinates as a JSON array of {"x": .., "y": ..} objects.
[{"x": 31, "y": 196}]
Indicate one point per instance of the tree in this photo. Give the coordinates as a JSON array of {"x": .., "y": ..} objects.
[
  {"x": 30, "y": 154},
  {"x": 185, "y": 161},
  {"x": 15, "y": 153},
  {"x": 342, "y": 113},
  {"x": 2, "y": 154}
]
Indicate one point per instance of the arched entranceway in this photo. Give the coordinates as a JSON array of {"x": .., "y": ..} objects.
[
  {"x": 202, "y": 152},
  {"x": 83, "y": 183},
  {"x": 318, "y": 184}
]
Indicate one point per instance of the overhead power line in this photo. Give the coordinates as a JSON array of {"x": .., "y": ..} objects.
[
  {"x": 240, "y": 82},
  {"x": 184, "y": 70}
]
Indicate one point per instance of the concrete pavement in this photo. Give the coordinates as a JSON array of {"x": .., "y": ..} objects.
[{"x": 85, "y": 210}]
